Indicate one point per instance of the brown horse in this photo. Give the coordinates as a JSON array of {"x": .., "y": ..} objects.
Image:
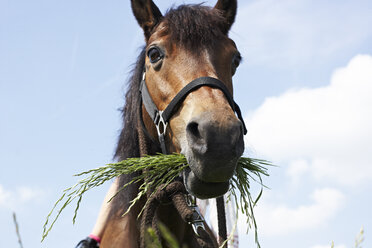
[{"x": 187, "y": 43}]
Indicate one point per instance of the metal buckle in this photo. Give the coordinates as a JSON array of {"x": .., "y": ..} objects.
[
  {"x": 161, "y": 125},
  {"x": 198, "y": 220}
]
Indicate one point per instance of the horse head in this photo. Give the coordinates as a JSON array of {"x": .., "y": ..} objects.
[{"x": 186, "y": 45}]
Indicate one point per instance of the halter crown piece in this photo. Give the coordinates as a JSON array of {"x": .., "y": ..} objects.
[{"x": 161, "y": 117}]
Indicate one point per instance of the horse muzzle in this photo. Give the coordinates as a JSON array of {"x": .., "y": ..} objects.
[{"x": 215, "y": 143}]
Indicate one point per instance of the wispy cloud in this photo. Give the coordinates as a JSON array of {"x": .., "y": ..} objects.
[
  {"x": 16, "y": 198},
  {"x": 276, "y": 219},
  {"x": 324, "y": 132},
  {"x": 5, "y": 196},
  {"x": 286, "y": 33}
]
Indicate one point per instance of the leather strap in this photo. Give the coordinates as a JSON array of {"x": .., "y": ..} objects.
[
  {"x": 194, "y": 85},
  {"x": 161, "y": 118},
  {"x": 150, "y": 106}
]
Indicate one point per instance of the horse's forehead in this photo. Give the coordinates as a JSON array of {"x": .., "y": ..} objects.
[{"x": 160, "y": 34}]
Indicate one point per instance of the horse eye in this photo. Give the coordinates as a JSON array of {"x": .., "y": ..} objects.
[
  {"x": 154, "y": 55},
  {"x": 237, "y": 58}
]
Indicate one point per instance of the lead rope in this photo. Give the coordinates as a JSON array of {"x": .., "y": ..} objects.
[
  {"x": 176, "y": 193},
  {"x": 221, "y": 216}
]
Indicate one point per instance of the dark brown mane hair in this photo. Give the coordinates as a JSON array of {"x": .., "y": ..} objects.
[
  {"x": 128, "y": 143},
  {"x": 194, "y": 26},
  {"x": 128, "y": 140}
]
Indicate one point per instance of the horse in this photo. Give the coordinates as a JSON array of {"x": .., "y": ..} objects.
[{"x": 189, "y": 43}]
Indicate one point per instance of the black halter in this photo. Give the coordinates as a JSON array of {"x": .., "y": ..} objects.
[{"x": 162, "y": 117}]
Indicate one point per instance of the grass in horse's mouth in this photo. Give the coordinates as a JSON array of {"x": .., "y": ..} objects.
[{"x": 156, "y": 172}]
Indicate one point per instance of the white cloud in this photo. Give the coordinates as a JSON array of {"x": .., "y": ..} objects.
[
  {"x": 12, "y": 199},
  {"x": 26, "y": 194},
  {"x": 290, "y": 32},
  {"x": 297, "y": 169},
  {"x": 274, "y": 219},
  {"x": 327, "y": 131},
  {"x": 4, "y": 196}
]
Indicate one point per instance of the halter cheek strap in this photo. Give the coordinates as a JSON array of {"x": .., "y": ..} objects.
[{"x": 161, "y": 118}]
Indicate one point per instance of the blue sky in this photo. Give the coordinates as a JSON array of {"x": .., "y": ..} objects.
[{"x": 303, "y": 87}]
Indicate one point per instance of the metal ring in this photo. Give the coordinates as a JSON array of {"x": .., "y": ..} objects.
[
  {"x": 198, "y": 219},
  {"x": 160, "y": 123}
]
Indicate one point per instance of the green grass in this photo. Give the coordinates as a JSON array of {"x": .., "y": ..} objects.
[{"x": 159, "y": 171}]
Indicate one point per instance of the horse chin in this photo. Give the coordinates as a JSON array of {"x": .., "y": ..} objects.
[{"x": 202, "y": 189}]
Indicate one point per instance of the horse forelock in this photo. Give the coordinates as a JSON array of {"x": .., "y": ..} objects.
[{"x": 194, "y": 27}]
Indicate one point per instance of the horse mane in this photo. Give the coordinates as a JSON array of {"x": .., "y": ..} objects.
[
  {"x": 127, "y": 146},
  {"x": 128, "y": 142}
]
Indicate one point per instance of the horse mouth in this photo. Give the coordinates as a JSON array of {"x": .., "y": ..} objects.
[
  {"x": 202, "y": 189},
  {"x": 208, "y": 185}
]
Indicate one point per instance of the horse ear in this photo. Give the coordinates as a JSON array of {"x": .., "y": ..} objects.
[
  {"x": 147, "y": 14},
  {"x": 228, "y": 9}
]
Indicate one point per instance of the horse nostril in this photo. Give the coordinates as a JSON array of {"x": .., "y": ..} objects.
[
  {"x": 193, "y": 129},
  {"x": 208, "y": 136}
]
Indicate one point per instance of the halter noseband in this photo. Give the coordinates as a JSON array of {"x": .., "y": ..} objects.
[{"x": 161, "y": 117}]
